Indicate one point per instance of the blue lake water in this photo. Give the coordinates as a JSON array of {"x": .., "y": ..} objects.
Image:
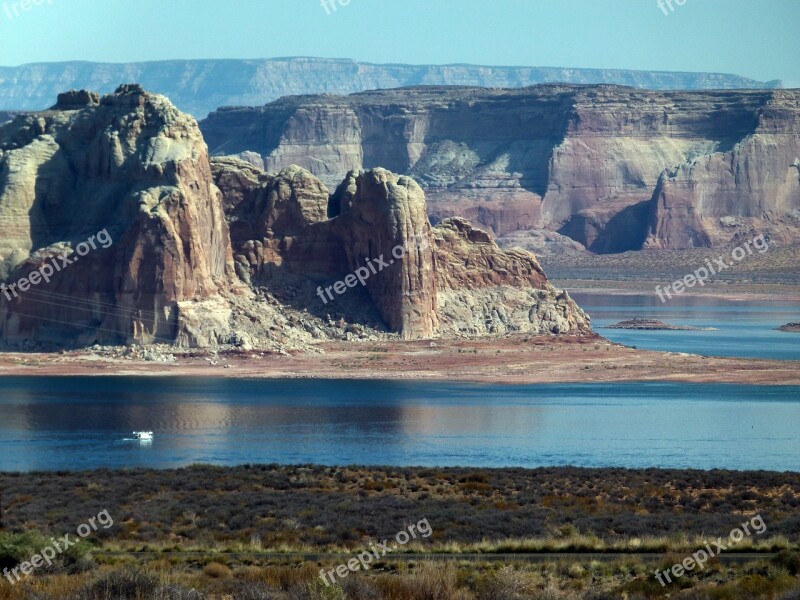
[
  {"x": 745, "y": 328},
  {"x": 81, "y": 423}
]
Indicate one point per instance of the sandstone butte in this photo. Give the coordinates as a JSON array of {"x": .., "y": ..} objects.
[
  {"x": 612, "y": 168},
  {"x": 213, "y": 252}
]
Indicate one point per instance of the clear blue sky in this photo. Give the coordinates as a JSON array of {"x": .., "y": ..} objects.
[{"x": 754, "y": 38}]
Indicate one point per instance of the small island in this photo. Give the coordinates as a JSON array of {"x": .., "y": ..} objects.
[
  {"x": 655, "y": 325},
  {"x": 790, "y": 327}
]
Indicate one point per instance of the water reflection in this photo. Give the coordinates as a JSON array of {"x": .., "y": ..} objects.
[{"x": 58, "y": 423}]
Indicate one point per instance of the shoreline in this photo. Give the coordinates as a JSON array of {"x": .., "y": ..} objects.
[
  {"x": 509, "y": 360},
  {"x": 538, "y": 470},
  {"x": 732, "y": 293}
]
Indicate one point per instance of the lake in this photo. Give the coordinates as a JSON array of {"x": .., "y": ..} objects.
[
  {"x": 49, "y": 423},
  {"x": 745, "y": 328}
]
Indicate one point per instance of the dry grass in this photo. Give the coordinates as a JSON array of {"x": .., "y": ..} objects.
[
  {"x": 259, "y": 509},
  {"x": 216, "y": 570},
  {"x": 340, "y": 509},
  {"x": 423, "y": 581}
]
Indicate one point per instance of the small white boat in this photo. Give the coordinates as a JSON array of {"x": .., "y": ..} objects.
[{"x": 143, "y": 435}]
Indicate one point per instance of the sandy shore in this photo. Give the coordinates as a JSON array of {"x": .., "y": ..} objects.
[{"x": 514, "y": 359}]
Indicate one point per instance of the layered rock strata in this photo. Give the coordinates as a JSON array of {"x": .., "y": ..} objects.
[
  {"x": 424, "y": 281},
  {"x": 485, "y": 290},
  {"x": 134, "y": 166},
  {"x": 200, "y": 253},
  {"x": 613, "y": 168}
]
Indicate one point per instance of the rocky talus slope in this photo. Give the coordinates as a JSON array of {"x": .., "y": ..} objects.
[
  {"x": 612, "y": 168},
  {"x": 201, "y": 86},
  {"x": 485, "y": 290},
  {"x": 208, "y": 253}
]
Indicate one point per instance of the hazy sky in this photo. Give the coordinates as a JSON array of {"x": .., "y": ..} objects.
[{"x": 754, "y": 38}]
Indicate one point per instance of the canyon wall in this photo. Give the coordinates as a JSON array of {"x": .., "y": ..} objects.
[
  {"x": 613, "y": 168},
  {"x": 117, "y": 228}
]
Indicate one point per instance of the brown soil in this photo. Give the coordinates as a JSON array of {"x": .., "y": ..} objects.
[{"x": 514, "y": 359}]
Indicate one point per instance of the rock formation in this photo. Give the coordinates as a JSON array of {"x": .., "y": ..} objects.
[
  {"x": 201, "y": 86},
  {"x": 486, "y": 290},
  {"x": 423, "y": 281},
  {"x": 383, "y": 215},
  {"x": 613, "y": 168},
  {"x": 203, "y": 252},
  {"x": 134, "y": 166},
  {"x": 282, "y": 238}
]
